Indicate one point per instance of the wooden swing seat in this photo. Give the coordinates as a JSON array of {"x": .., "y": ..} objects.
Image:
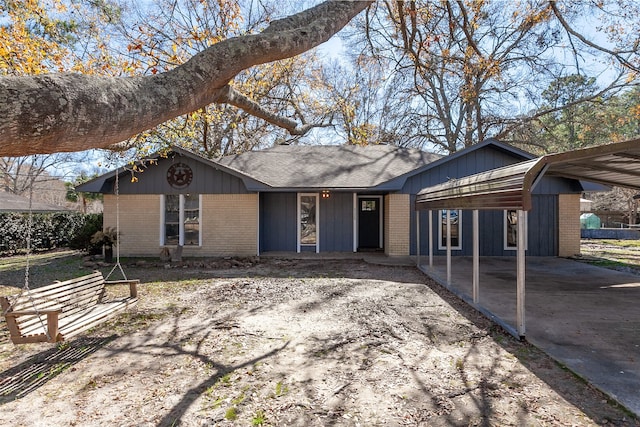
[{"x": 66, "y": 308}]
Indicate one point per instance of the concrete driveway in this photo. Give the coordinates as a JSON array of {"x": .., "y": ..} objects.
[{"x": 586, "y": 317}]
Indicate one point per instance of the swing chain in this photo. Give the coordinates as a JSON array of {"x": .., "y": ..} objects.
[
  {"x": 25, "y": 288},
  {"x": 117, "y": 193}
]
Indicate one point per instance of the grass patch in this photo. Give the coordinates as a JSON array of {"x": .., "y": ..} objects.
[
  {"x": 608, "y": 263},
  {"x": 258, "y": 419},
  {"x": 612, "y": 254},
  {"x": 231, "y": 414},
  {"x": 224, "y": 381},
  {"x": 44, "y": 268},
  {"x": 281, "y": 389},
  {"x": 618, "y": 243},
  {"x": 19, "y": 262}
]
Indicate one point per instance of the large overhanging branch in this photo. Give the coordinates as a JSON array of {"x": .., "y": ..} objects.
[{"x": 72, "y": 112}]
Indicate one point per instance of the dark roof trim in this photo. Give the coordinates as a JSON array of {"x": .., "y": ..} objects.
[
  {"x": 510, "y": 187},
  {"x": 464, "y": 152},
  {"x": 248, "y": 180},
  {"x": 105, "y": 183}
]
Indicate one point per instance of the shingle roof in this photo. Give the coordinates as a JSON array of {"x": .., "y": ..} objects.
[
  {"x": 10, "y": 202},
  {"x": 329, "y": 166}
]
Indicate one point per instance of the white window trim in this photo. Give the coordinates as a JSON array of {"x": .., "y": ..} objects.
[
  {"x": 355, "y": 222},
  {"x": 162, "y": 218},
  {"x": 181, "y": 225},
  {"x": 299, "y": 221},
  {"x": 441, "y": 237},
  {"x": 504, "y": 232}
]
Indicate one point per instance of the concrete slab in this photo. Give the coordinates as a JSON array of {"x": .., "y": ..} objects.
[{"x": 585, "y": 317}]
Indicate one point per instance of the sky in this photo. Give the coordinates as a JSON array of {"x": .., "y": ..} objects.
[{"x": 335, "y": 49}]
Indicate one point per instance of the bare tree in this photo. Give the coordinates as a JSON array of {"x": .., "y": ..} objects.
[
  {"x": 31, "y": 175},
  {"x": 472, "y": 70}
]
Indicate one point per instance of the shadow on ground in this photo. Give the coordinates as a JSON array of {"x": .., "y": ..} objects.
[
  {"x": 544, "y": 367},
  {"x": 19, "y": 381}
]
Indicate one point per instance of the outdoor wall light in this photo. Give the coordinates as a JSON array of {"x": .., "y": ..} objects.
[{"x": 326, "y": 194}]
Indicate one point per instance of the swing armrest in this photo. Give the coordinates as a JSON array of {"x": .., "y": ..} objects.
[
  {"x": 53, "y": 310},
  {"x": 133, "y": 285}
]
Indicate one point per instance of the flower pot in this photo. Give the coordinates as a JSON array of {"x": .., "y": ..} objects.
[{"x": 108, "y": 254}]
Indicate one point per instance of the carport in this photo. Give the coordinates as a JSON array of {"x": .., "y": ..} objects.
[{"x": 510, "y": 188}]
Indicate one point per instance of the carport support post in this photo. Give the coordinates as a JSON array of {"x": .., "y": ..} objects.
[
  {"x": 418, "y": 238},
  {"x": 520, "y": 314},
  {"x": 430, "y": 239},
  {"x": 476, "y": 257},
  {"x": 448, "y": 247}
]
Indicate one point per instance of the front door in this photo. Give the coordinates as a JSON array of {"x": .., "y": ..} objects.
[{"x": 369, "y": 212}]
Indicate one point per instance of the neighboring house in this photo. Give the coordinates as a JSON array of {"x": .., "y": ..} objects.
[
  {"x": 321, "y": 199},
  {"x": 10, "y": 202}
]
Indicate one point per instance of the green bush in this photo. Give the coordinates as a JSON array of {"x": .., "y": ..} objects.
[
  {"x": 82, "y": 238},
  {"x": 48, "y": 231}
]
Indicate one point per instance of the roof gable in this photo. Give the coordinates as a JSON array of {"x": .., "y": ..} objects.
[
  {"x": 105, "y": 183},
  {"x": 511, "y": 187},
  {"x": 491, "y": 142}
]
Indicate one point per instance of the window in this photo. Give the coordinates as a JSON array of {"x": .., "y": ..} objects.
[
  {"x": 308, "y": 207},
  {"x": 368, "y": 205},
  {"x": 511, "y": 230},
  {"x": 455, "y": 219},
  {"x": 181, "y": 220},
  {"x": 171, "y": 220}
]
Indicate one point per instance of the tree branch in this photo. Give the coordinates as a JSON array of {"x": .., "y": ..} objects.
[
  {"x": 587, "y": 42},
  {"x": 71, "y": 112},
  {"x": 520, "y": 121},
  {"x": 465, "y": 27},
  {"x": 235, "y": 98}
]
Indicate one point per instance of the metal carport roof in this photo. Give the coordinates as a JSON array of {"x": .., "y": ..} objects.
[{"x": 510, "y": 187}]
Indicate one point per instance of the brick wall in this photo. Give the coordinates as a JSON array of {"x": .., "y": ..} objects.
[
  {"x": 139, "y": 223},
  {"x": 397, "y": 211},
  {"x": 229, "y": 224},
  {"x": 568, "y": 224}
]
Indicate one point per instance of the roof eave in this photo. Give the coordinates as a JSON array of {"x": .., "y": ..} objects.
[{"x": 503, "y": 188}]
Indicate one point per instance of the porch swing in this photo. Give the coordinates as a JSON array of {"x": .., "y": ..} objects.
[{"x": 62, "y": 310}]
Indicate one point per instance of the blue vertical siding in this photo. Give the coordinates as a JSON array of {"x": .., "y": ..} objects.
[
  {"x": 479, "y": 160},
  {"x": 278, "y": 222},
  {"x": 336, "y": 223},
  {"x": 543, "y": 223},
  {"x": 542, "y": 230},
  {"x": 206, "y": 180},
  {"x": 542, "y": 219}
]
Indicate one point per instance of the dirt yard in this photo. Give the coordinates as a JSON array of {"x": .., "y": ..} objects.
[{"x": 293, "y": 343}]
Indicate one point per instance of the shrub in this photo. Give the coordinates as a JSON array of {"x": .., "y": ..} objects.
[
  {"x": 48, "y": 231},
  {"x": 82, "y": 238}
]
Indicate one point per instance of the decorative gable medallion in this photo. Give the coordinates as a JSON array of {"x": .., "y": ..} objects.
[{"x": 179, "y": 175}]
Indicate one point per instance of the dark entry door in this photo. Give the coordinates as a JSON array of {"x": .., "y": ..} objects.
[{"x": 368, "y": 223}]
